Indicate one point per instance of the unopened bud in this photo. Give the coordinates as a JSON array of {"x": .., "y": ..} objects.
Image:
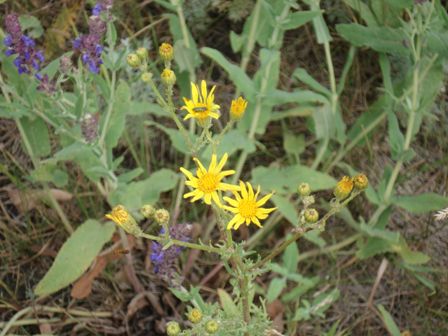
[
  {"x": 146, "y": 77},
  {"x": 172, "y": 328},
  {"x": 168, "y": 77},
  {"x": 311, "y": 215},
  {"x": 343, "y": 188},
  {"x": 133, "y": 60},
  {"x": 124, "y": 219},
  {"x": 142, "y": 53},
  {"x": 166, "y": 51},
  {"x": 304, "y": 189},
  {"x": 211, "y": 327},
  {"x": 162, "y": 216},
  {"x": 361, "y": 182},
  {"x": 195, "y": 316},
  {"x": 147, "y": 211}
]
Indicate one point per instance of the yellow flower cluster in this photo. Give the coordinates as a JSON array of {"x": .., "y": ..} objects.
[{"x": 207, "y": 185}]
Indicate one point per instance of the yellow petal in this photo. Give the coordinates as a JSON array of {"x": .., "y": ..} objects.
[
  {"x": 232, "y": 222},
  {"x": 201, "y": 167},
  {"x": 243, "y": 190},
  {"x": 212, "y": 165},
  {"x": 208, "y": 199},
  {"x": 251, "y": 191},
  {"x": 216, "y": 199},
  {"x": 222, "y": 162},
  {"x": 204, "y": 90},
  {"x": 224, "y": 174},
  {"x": 256, "y": 221},
  {"x": 264, "y": 200},
  {"x": 231, "y": 201},
  {"x": 194, "y": 93},
  {"x": 187, "y": 173},
  {"x": 226, "y": 186}
]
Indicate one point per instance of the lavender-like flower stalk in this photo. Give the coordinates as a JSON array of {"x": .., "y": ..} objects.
[
  {"x": 28, "y": 59},
  {"x": 164, "y": 260},
  {"x": 90, "y": 45}
]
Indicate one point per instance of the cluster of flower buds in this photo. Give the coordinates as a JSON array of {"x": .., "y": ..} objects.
[
  {"x": 309, "y": 215},
  {"x": 161, "y": 216},
  {"x": 347, "y": 184},
  {"x": 195, "y": 316},
  {"x": 139, "y": 60}
]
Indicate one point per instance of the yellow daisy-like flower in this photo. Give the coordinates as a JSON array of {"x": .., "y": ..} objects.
[
  {"x": 238, "y": 107},
  {"x": 208, "y": 182},
  {"x": 201, "y": 106},
  {"x": 246, "y": 207}
]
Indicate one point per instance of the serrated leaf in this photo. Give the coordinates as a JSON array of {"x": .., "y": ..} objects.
[{"x": 75, "y": 256}]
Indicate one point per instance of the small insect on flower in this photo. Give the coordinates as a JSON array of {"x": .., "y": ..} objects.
[
  {"x": 202, "y": 105},
  {"x": 208, "y": 181},
  {"x": 246, "y": 207}
]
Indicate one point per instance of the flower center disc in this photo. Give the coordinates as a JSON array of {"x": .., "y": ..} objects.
[
  {"x": 247, "y": 208},
  {"x": 208, "y": 183}
]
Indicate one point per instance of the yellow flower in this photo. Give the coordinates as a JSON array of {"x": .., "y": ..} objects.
[
  {"x": 124, "y": 219},
  {"x": 208, "y": 182},
  {"x": 238, "y": 107},
  {"x": 168, "y": 77},
  {"x": 343, "y": 188},
  {"x": 201, "y": 106},
  {"x": 246, "y": 207},
  {"x": 166, "y": 51}
]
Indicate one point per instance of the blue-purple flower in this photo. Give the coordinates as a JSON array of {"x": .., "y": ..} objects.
[
  {"x": 28, "y": 58},
  {"x": 90, "y": 45},
  {"x": 164, "y": 260}
]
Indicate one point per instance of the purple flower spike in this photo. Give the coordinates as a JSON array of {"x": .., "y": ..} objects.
[
  {"x": 28, "y": 58},
  {"x": 164, "y": 260},
  {"x": 97, "y": 9}
]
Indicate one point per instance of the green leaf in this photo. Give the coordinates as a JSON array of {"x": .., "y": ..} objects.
[
  {"x": 278, "y": 97},
  {"x": 290, "y": 258},
  {"x": 75, "y": 256},
  {"x": 293, "y": 144},
  {"x": 297, "y": 19},
  {"x": 400, "y": 3},
  {"x": 389, "y": 322},
  {"x": 303, "y": 76},
  {"x": 49, "y": 172},
  {"x": 286, "y": 179},
  {"x": 31, "y": 23},
  {"x": 143, "y": 107},
  {"x": 382, "y": 39},
  {"x": 423, "y": 203},
  {"x": 117, "y": 121},
  {"x": 396, "y": 138},
  {"x": 135, "y": 194},
  {"x": 231, "y": 142},
  {"x": 320, "y": 304},
  {"x": 372, "y": 247},
  {"x": 236, "y": 74},
  {"x": 36, "y": 131},
  {"x": 287, "y": 208},
  {"x": 275, "y": 288},
  {"x": 227, "y": 303}
]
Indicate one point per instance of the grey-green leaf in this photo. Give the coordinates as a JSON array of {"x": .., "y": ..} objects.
[{"x": 75, "y": 256}]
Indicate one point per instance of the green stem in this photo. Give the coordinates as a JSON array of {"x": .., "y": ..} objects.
[
  {"x": 300, "y": 232},
  {"x": 206, "y": 248}
]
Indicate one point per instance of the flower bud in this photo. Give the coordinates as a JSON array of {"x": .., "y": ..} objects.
[
  {"x": 168, "y": 77},
  {"x": 195, "y": 316},
  {"x": 133, "y": 60},
  {"x": 124, "y": 219},
  {"x": 237, "y": 108},
  {"x": 311, "y": 215},
  {"x": 146, "y": 77},
  {"x": 172, "y": 328},
  {"x": 304, "y": 189},
  {"x": 166, "y": 51},
  {"x": 361, "y": 182},
  {"x": 162, "y": 216},
  {"x": 142, "y": 53},
  {"x": 211, "y": 327},
  {"x": 147, "y": 211},
  {"x": 343, "y": 188}
]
